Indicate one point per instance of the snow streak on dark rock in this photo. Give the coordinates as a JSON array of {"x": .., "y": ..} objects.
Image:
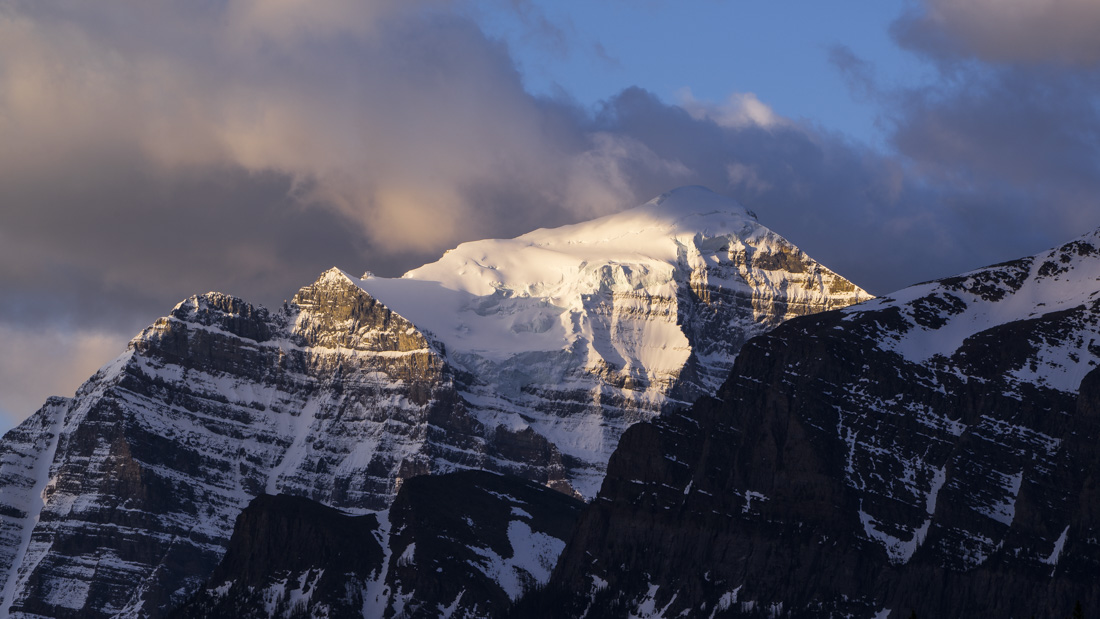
[{"x": 935, "y": 451}]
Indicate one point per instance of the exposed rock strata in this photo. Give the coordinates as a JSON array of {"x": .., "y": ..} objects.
[{"x": 935, "y": 451}]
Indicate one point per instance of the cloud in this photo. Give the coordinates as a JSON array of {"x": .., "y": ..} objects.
[
  {"x": 813, "y": 187},
  {"x": 396, "y": 129},
  {"x": 149, "y": 150},
  {"x": 372, "y": 110},
  {"x": 857, "y": 73},
  {"x": 741, "y": 109},
  {"x": 1010, "y": 127},
  {"x": 1029, "y": 31},
  {"x": 71, "y": 356}
]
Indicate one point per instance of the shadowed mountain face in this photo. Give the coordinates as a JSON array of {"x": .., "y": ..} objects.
[
  {"x": 527, "y": 356},
  {"x": 288, "y": 553},
  {"x": 459, "y": 545},
  {"x": 936, "y": 451}
]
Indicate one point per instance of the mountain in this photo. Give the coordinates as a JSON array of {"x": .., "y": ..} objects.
[
  {"x": 577, "y": 332},
  {"x": 527, "y": 356},
  {"x": 935, "y": 451},
  {"x": 461, "y": 544}
]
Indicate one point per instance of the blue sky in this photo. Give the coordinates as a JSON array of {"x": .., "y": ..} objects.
[
  {"x": 150, "y": 151},
  {"x": 779, "y": 51}
]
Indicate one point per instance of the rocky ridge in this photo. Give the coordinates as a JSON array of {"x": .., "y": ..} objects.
[{"x": 933, "y": 451}]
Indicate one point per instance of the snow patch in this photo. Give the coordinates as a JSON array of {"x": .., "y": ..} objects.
[
  {"x": 938, "y": 479},
  {"x": 38, "y": 470},
  {"x": 749, "y": 496},
  {"x": 727, "y": 600},
  {"x": 533, "y": 557},
  {"x": 1059, "y": 544},
  {"x": 898, "y": 550},
  {"x": 647, "y": 608},
  {"x": 1003, "y": 509}
]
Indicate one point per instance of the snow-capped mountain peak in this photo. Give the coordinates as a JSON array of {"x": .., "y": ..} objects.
[
  {"x": 537, "y": 263},
  {"x": 527, "y": 356}
]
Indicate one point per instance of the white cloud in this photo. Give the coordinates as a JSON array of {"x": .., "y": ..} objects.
[{"x": 739, "y": 110}]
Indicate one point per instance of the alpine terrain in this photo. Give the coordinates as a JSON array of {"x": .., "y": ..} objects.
[
  {"x": 935, "y": 451},
  {"x": 528, "y": 356},
  {"x": 462, "y": 544}
]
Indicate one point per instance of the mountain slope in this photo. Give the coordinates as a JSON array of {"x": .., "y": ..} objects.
[
  {"x": 121, "y": 501},
  {"x": 462, "y": 544},
  {"x": 936, "y": 450},
  {"x": 579, "y": 331},
  {"x": 209, "y": 407}
]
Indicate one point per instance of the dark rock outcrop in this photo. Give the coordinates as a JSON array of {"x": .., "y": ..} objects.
[
  {"x": 460, "y": 545},
  {"x": 292, "y": 557},
  {"x": 934, "y": 453}
]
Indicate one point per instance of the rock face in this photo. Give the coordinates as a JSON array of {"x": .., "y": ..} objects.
[
  {"x": 458, "y": 545},
  {"x": 935, "y": 451},
  {"x": 528, "y": 356},
  {"x": 292, "y": 557},
  {"x": 138, "y": 479}
]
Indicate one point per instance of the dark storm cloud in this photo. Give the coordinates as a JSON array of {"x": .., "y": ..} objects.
[
  {"x": 111, "y": 241},
  {"x": 1035, "y": 130},
  {"x": 1004, "y": 140},
  {"x": 166, "y": 150},
  {"x": 1010, "y": 130},
  {"x": 245, "y": 147}
]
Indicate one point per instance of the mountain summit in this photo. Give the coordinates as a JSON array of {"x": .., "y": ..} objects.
[
  {"x": 527, "y": 356},
  {"x": 577, "y": 332}
]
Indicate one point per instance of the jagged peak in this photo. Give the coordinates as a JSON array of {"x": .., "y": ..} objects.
[
  {"x": 336, "y": 274},
  {"x": 334, "y": 277},
  {"x": 226, "y": 312},
  {"x": 218, "y": 302},
  {"x": 941, "y": 315}
]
